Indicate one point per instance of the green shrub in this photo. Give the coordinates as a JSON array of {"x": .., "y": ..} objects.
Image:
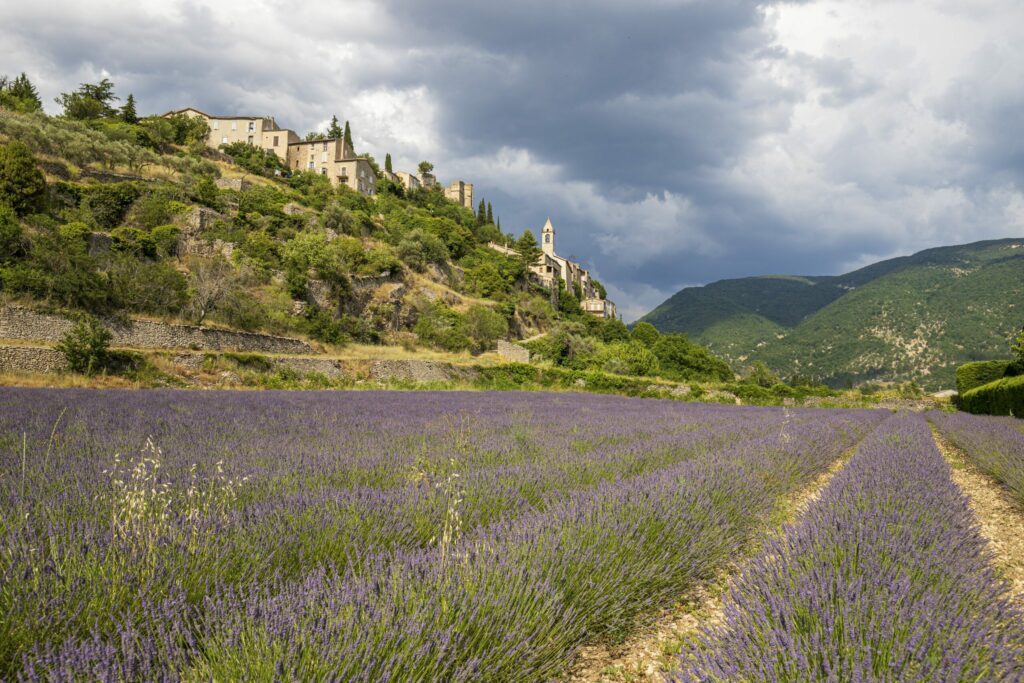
[
  {"x": 12, "y": 240},
  {"x": 442, "y": 327},
  {"x": 146, "y": 286},
  {"x": 22, "y": 184},
  {"x": 107, "y": 204},
  {"x": 253, "y": 159},
  {"x": 647, "y": 334},
  {"x": 629, "y": 358},
  {"x": 681, "y": 359},
  {"x": 86, "y": 347},
  {"x": 1002, "y": 397},
  {"x": 133, "y": 241},
  {"x": 165, "y": 238},
  {"x": 485, "y": 326},
  {"x": 972, "y": 375}
]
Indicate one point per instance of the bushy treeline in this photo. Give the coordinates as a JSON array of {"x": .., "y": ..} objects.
[
  {"x": 607, "y": 345},
  {"x": 994, "y": 387}
]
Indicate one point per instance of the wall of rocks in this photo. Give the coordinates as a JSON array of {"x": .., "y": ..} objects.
[
  {"x": 21, "y": 323},
  {"x": 513, "y": 352},
  {"x": 30, "y": 359}
]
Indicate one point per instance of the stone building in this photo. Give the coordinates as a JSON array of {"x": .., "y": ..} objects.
[
  {"x": 258, "y": 131},
  {"x": 549, "y": 267},
  {"x": 409, "y": 181},
  {"x": 461, "y": 193},
  {"x": 333, "y": 158},
  {"x": 330, "y": 157}
]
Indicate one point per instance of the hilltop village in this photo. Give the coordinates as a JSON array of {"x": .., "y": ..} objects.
[{"x": 335, "y": 158}]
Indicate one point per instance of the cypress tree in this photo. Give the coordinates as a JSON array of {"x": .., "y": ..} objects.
[
  {"x": 490, "y": 213},
  {"x": 128, "y": 114},
  {"x": 481, "y": 213},
  {"x": 348, "y": 137},
  {"x": 387, "y": 163}
]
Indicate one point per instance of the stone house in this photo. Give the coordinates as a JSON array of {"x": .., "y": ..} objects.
[
  {"x": 330, "y": 157},
  {"x": 258, "y": 131},
  {"x": 333, "y": 158},
  {"x": 409, "y": 181}
]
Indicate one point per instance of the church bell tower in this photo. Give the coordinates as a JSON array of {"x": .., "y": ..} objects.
[{"x": 547, "y": 239}]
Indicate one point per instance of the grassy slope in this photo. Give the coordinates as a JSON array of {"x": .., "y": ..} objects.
[{"x": 915, "y": 317}]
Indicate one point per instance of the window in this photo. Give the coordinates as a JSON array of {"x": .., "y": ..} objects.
[
  {"x": 325, "y": 146},
  {"x": 275, "y": 141},
  {"x": 547, "y": 238},
  {"x": 216, "y": 125},
  {"x": 323, "y": 171},
  {"x": 250, "y": 139},
  {"x": 311, "y": 165},
  {"x": 234, "y": 125},
  {"x": 323, "y": 157},
  {"x": 252, "y": 126},
  {"x": 224, "y": 140}
]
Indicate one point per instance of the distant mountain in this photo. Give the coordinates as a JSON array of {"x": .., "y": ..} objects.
[{"x": 913, "y": 317}]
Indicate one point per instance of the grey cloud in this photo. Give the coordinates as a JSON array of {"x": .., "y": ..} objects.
[{"x": 658, "y": 135}]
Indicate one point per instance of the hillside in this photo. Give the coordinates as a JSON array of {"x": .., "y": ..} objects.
[
  {"x": 914, "y": 317},
  {"x": 119, "y": 218}
]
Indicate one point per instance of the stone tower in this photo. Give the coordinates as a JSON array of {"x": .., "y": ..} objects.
[{"x": 547, "y": 239}]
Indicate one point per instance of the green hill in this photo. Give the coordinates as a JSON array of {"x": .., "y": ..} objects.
[{"x": 914, "y": 317}]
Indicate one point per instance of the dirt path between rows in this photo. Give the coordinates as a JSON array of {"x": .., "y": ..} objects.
[
  {"x": 1000, "y": 517},
  {"x": 655, "y": 649}
]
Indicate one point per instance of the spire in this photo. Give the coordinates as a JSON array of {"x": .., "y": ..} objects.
[{"x": 547, "y": 239}]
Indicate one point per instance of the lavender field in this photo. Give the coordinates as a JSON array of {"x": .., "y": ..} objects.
[{"x": 164, "y": 535}]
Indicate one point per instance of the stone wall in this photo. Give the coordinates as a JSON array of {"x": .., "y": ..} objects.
[
  {"x": 513, "y": 352},
  {"x": 332, "y": 369},
  {"x": 30, "y": 359},
  {"x": 419, "y": 371},
  {"x": 21, "y": 323}
]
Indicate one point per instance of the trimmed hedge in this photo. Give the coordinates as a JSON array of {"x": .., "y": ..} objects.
[
  {"x": 973, "y": 375},
  {"x": 1001, "y": 397}
]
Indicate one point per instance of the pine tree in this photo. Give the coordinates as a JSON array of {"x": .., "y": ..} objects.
[
  {"x": 481, "y": 213},
  {"x": 348, "y": 137},
  {"x": 128, "y": 114},
  {"x": 387, "y": 163},
  {"x": 490, "y": 213},
  {"x": 334, "y": 130},
  {"x": 23, "y": 89},
  {"x": 527, "y": 248}
]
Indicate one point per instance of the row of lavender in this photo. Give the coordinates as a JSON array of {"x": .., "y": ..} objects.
[
  {"x": 886, "y": 577},
  {"x": 994, "y": 444},
  {"x": 401, "y": 536}
]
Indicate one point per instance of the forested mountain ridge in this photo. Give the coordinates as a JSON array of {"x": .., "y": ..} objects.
[{"x": 913, "y": 317}]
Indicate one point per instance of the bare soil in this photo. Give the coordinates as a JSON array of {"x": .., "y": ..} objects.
[
  {"x": 654, "y": 650},
  {"x": 1000, "y": 517}
]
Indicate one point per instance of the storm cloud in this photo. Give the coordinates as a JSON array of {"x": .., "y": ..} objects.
[{"x": 671, "y": 142}]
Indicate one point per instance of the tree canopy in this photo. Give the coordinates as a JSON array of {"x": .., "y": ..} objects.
[{"x": 90, "y": 101}]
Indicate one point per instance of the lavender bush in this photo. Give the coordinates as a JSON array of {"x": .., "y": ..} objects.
[
  {"x": 369, "y": 536},
  {"x": 885, "y": 578},
  {"x": 994, "y": 444}
]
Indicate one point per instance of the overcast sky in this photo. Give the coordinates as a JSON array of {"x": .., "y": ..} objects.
[{"x": 672, "y": 142}]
